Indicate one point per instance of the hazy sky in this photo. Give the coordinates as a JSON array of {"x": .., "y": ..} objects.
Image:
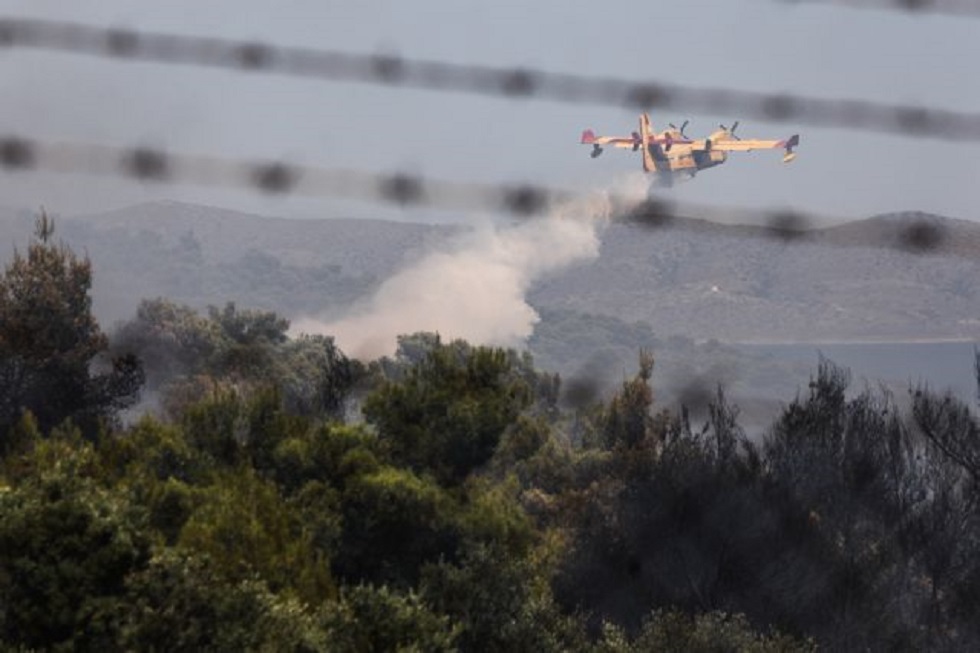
[{"x": 750, "y": 44}]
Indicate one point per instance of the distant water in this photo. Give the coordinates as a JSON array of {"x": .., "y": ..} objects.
[{"x": 941, "y": 365}]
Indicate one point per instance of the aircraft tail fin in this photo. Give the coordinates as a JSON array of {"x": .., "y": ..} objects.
[
  {"x": 791, "y": 142},
  {"x": 588, "y": 137}
]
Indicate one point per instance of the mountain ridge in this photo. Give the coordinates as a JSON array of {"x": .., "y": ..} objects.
[{"x": 737, "y": 283}]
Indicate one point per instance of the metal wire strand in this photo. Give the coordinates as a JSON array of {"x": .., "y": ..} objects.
[
  {"x": 966, "y": 8},
  {"x": 21, "y": 155},
  {"x": 514, "y": 83}
]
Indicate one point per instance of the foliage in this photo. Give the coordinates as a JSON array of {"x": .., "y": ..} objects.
[
  {"x": 246, "y": 528},
  {"x": 502, "y": 603},
  {"x": 850, "y": 466},
  {"x": 712, "y": 632},
  {"x": 181, "y": 603},
  {"x": 331, "y": 454},
  {"x": 50, "y": 342},
  {"x": 394, "y": 522},
  {"x": 66, "y": 547},
  {"x": 627, "y": 422},
  {"x": 448, "y": 413},
  {"x": 471, "y": 511},
  {"x": 369, "y": 618},
  {"x": 188, "y": 355},
  {"x": 171, "y": 339}
]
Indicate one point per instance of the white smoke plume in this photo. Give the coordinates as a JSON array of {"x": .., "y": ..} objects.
[{"x": 474, "y": 289}]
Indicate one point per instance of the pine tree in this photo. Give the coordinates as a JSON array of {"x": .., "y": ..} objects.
[{"x": 51, "y": 344}]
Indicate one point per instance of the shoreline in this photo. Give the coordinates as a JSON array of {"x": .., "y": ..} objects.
[{"x": 839, "y": 343}]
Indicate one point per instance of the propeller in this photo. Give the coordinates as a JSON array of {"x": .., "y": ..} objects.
[
  {"x": 681, "y": 129},
  {"x": 731, "y": 132}
]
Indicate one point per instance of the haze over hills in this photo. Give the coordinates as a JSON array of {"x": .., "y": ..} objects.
[
  {"x": 200, "y": 255},
  {"x": 699, "y": 279},
  {"x": 663, "y": 287},
  {"x": 852, "y": 282}
]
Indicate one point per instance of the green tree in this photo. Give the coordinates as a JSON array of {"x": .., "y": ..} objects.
[
  {"x": 331, "y": 453},
  {"x": 250, "y": 338},
  {"x": 154, "y": 465},
  {"x": 627, "y": 421},
  {"x": 378, "y": 619},
  {"x": 51, "y": 345},
  {"x": 246, "y": 529},
  {"x": 394, "y": 522},
  {"x": 66, "y": 547},
  {"x": 187, "y": 355},
  {"x": 448, "y": 413},
  {"x": 502, "y": 603},
  {"x": 172, "y": 340},
  {"x": 181, "y": 603},
  {"x": 314, "y": 375}
]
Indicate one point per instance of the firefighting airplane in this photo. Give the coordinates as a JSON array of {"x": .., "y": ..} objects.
[{"x": 671, "y": 153}]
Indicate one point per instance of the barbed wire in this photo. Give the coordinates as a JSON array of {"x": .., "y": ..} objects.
[
  {"x": 513, "y": 83},
  {"x": 969, "y": 8},
  {"x": 23, "y": 155}
]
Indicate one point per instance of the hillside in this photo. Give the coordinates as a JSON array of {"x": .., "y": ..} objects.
[
  {"x": 699, "y": 279},
  {"x": 202, "y": 255},
  {"x": 732, "y": 283}
]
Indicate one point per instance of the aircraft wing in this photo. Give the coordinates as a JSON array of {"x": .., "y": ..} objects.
[
  {"x": 626, "y": 142},
  {"x": 749, "y": 144},
  {"x": 614, "y": 141},
  {"x": 646, "y": 136}
]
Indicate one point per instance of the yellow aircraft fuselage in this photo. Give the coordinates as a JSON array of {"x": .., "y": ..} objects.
[{"x": 671, "y": 153}]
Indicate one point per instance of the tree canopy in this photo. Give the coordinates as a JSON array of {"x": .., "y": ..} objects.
[
  {"x": 53, "y": 359},
  {"x": 284, "y": 497}
]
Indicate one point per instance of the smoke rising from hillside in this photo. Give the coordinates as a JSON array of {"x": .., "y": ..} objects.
[{"x": 474, "y": 289}]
